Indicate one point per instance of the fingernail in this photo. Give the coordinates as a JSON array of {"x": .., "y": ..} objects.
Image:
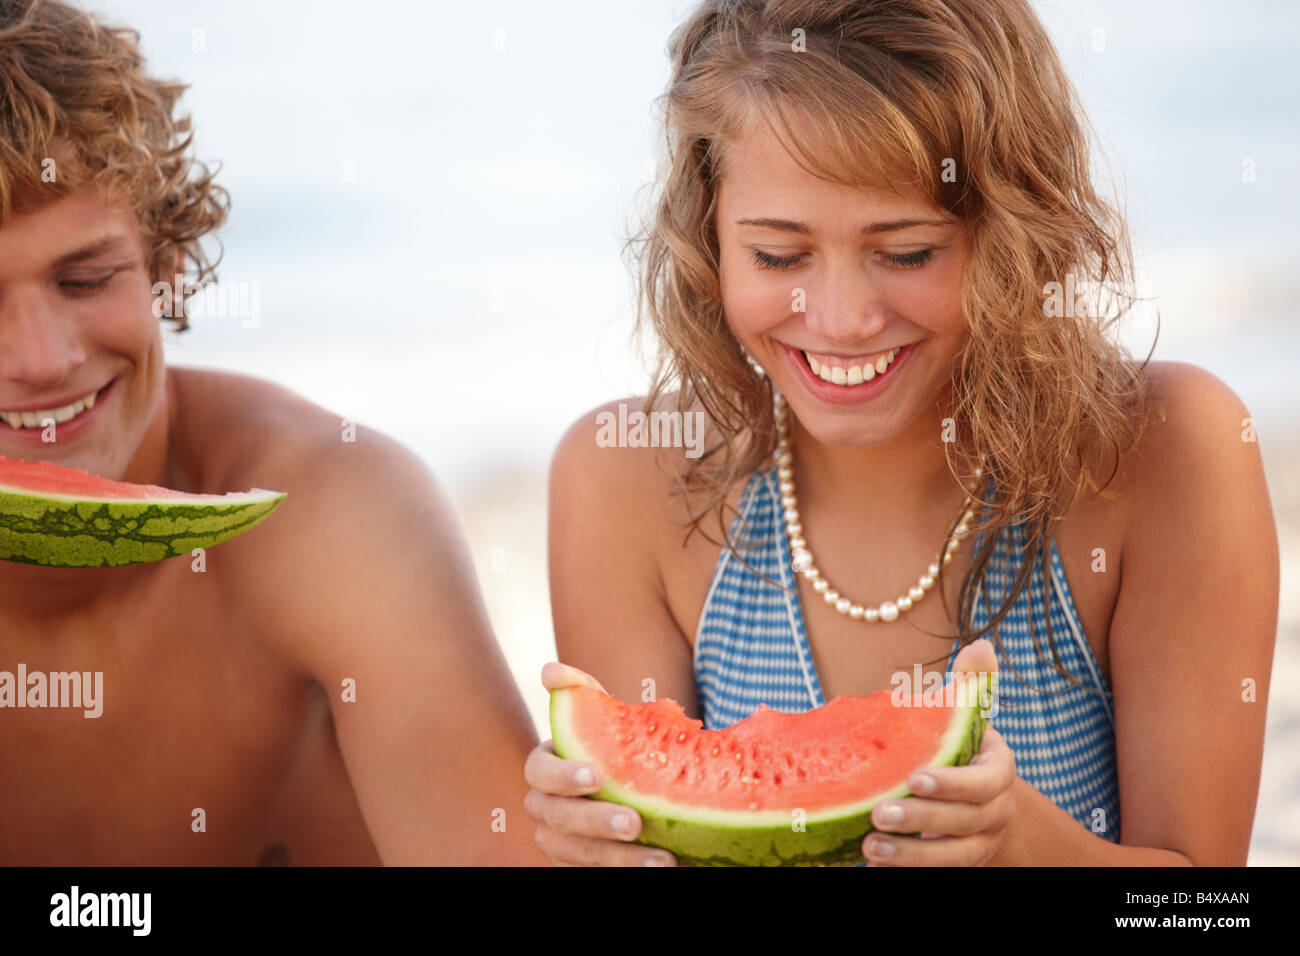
[
  {"x": 656, "y": 861},
  {"x": 622, "y": 822},
  {"x": 923, "y": 783},
  {"x": 880, "y": 848},
  {"x": 584, "y": 777},
  {"x": 891, "y": 813}
]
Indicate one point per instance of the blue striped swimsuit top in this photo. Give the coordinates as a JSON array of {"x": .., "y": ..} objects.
[{"x": 751, "y": 648}]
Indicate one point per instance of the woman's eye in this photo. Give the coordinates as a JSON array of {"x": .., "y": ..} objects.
[
  {"x": 908, "y": 260},
  {"x": 765, "y": 261}
]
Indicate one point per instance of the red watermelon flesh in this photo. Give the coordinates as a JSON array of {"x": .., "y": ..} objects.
[
  {"x": 48, "y": 478},
  {"x": 739, "y": 795},
  {"x": 63, "y": 517}
]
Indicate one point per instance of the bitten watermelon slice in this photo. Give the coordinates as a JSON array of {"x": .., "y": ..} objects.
[
  {"x": 67, "y": 518},
  {"x": 775, "y": 789}
]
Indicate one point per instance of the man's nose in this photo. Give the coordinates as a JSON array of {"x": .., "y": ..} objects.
[{"x": 39, "y": 345}]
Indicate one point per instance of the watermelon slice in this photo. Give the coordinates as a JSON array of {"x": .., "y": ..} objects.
[
  {"x": 67, "y": 518},
  {"x": 775, "y": 789}
]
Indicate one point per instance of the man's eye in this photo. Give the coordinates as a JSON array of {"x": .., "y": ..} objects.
[
  {"x": 765, "y": 261},
  {"x": 82, "y": 286},
  {"x": 908, "y": 260}
]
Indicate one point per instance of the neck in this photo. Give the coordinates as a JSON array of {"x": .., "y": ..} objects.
[
  {"x": 154, "y": 461},
  {"x": 42, "y": 595},
  {"x": 904, "y": 478}
]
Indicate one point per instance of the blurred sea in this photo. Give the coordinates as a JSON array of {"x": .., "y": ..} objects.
[{"x": 431, "y": 199}]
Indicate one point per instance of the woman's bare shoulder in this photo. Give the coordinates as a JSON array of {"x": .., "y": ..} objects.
[
  {"x": 1199, "y": 438},
  {"x": 1191, "y": 413},
  {"x": 632, "y": 460}
]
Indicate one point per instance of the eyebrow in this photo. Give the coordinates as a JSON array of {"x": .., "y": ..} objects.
[
  {"x": 787, "y": 225},
  {"x": 91, "y": 250}
]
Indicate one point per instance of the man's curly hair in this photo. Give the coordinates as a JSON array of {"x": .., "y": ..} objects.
[{"x": 77, "y": 107}]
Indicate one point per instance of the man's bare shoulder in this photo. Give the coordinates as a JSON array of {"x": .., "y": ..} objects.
[
  {"x": 356, "y": 500},
  {"x": 230, "y": 428},
  {"x": 235, "y": 429}
]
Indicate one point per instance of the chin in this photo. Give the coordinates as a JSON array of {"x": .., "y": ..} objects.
[{"x": 847, "y": 436}]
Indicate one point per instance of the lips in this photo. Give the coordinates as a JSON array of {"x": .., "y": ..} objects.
[
  {"x": 852, "y": 370},
  {"x": 31, "y": 426},
  {"x": 847, "y": 393},
  {"x": 60, "y": 414}
]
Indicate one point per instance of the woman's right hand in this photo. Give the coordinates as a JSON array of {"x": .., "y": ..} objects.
[{"x": 572, "y": 830}]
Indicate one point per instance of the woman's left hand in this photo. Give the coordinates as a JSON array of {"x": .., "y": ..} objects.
[
  {"x": 962, "y": 821},
  {"x": 964, "y": 813}
]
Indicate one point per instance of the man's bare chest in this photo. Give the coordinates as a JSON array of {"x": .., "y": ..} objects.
[{"x": 160, "y": 731}]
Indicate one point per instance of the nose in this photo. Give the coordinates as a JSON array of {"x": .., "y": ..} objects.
[
  {"x": 39, "y": 344},
  {"x": 844, "y": 307}
]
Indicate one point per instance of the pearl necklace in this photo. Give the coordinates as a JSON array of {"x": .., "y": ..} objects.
[{"x": 801, "y": 558}]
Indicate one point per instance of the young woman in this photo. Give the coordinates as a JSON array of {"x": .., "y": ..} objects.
[{"x": 879, "y": 268}]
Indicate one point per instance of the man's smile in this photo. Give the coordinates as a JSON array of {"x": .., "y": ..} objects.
[{"x": 33, "y": 417}]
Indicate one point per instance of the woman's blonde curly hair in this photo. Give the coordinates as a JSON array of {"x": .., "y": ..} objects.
[
  {"x": 900, "y": 92},
  {"x": 75, "y": 101}
]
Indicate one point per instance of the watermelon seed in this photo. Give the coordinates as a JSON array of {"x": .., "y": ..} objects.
[
  {"x": 681, "y": 737},
  {"x": 715, "y": 751},
  {"x": 753, "y": 806},
  {"x": 662, "y": 759}
]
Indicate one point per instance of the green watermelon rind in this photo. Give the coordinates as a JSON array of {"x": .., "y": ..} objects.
[
  {"x": 830, "y": 837},
  {"x": 68, "y": 531}
]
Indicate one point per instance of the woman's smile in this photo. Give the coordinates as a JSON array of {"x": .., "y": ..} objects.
[{"x": 848, "y": 379}]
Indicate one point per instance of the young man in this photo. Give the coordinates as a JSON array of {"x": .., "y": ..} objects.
[{"x": 327, "y": 690}]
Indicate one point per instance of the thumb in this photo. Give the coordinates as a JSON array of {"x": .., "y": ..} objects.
[
  {"x": 556, "y": 675},
  {"x": 978, "y": 656}
]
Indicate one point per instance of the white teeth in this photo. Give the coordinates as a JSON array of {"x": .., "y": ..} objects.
[
  {"x": 854, "y": 374},
  {"x": 67, "y": 412},
  {"x": 60, "y": 415}
]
